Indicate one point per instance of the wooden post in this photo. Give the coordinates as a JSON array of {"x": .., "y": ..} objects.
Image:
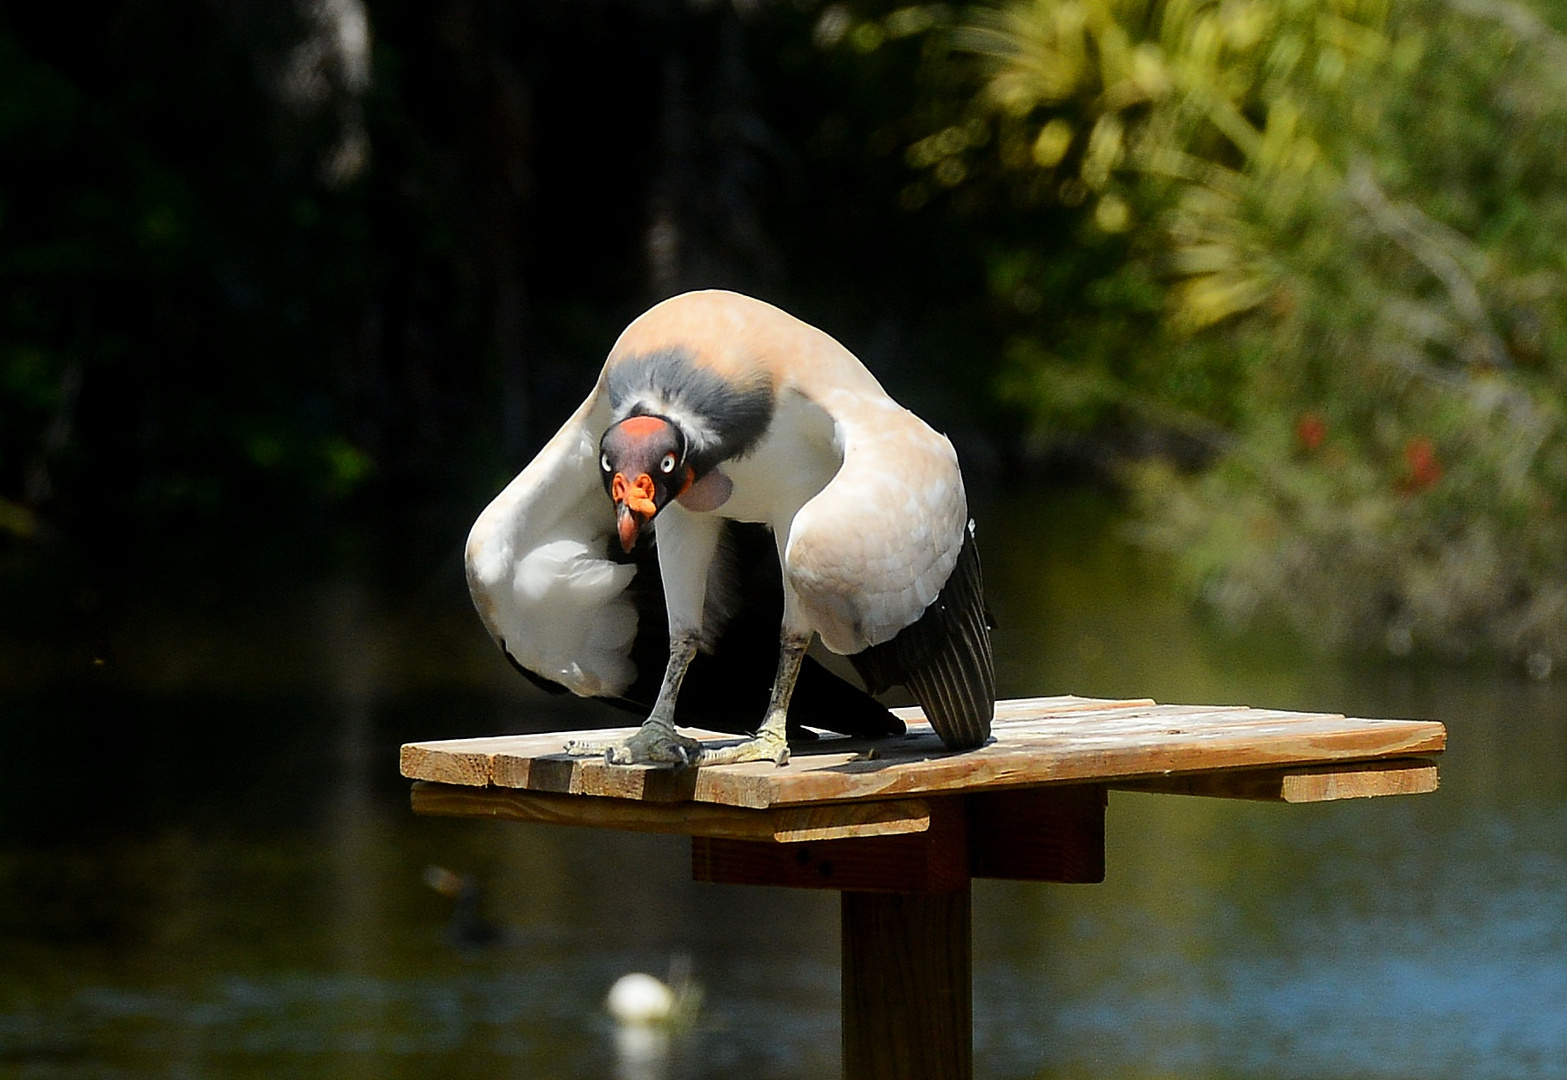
[{"x": 908, "y": 1010}]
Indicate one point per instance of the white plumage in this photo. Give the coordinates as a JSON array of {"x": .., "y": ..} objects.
[
  {"x": 538, "y": 575},
  {"x": 743, "y": 414}
]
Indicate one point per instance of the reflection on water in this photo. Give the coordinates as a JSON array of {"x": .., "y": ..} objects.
[{"x": 208, "y": 868}]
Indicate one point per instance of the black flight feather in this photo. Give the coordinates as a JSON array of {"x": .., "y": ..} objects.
[{"x": 944, "y": 658}]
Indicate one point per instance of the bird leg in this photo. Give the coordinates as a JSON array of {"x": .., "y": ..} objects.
[
  {"x": 656, "y": 742},
  {"x": 771, "y": 742}
]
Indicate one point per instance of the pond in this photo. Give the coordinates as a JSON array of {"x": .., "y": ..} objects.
[{"x": 208, "y": 866}]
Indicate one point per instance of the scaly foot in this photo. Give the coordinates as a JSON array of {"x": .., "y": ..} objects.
[
  {"x": 656, "y": 743},
  {"x": 767, "y": 746}
]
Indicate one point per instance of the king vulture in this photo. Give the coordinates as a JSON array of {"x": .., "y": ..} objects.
[{"x": 717, "y": 417}]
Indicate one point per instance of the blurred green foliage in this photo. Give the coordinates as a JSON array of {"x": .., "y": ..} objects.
[{"x": 1336, "y": 236}]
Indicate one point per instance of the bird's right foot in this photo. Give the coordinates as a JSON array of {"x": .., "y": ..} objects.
[
  {"x": 655, "y": 743},
  {"x": 768, "y": 745}
]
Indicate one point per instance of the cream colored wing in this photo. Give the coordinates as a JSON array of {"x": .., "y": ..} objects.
[
  {"x": 538, "y": 568},
  {"x": 870, "y": 552}
]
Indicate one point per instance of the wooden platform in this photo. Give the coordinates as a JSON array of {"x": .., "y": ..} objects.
[
  {"x": 1052, "y": 740},
  {"x": 901, "y": 826}
]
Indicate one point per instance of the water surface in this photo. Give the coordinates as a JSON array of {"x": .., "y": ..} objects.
[{"x": 208, "y": 867}]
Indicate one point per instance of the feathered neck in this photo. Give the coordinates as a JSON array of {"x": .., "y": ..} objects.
[{"x": 721, "y": 418}]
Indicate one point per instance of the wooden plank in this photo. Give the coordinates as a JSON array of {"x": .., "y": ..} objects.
[
  {"x": 842, "y": 821},
  {"x": 1354, "y": 780},
  {"x": 449, "y": 762},
  {"x": 1039, "y": 834},
  {"x": 1040, "y": 741},
  {"x": 908, "y": 1011},
  {"x": 933, "y": 861},
  {"x": 788, "y": 825},
  {"x": 1418, "y": 777}
]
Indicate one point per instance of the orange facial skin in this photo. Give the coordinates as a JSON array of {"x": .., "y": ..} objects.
[
  {"x": 635, "y": 507},
  {"x": 636, "y": 496}
]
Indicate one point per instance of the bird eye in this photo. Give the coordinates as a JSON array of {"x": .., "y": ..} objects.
[
  {"x": 604, "y": 462},
  {"x": 668, "y": 464}
]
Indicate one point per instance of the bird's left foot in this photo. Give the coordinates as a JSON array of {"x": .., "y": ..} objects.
[
  {"x": 653, "y": 744},
  {"x": 767, "y": 746}
]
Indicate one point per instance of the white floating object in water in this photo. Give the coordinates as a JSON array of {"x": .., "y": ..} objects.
[{"x": 640, "y": 999}]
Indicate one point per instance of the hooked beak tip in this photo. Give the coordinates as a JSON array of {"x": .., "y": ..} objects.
[{"x": 629, "y": 526}]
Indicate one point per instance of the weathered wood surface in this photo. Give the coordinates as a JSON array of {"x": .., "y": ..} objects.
[{"x": 1036, "y": 741}]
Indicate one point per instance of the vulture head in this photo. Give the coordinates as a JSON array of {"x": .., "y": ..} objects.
[{"x": 642, "y": 461}]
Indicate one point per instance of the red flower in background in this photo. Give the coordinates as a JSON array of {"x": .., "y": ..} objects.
[
  {"x": 1311, "y": 429},
  {"x": 1424, "y": 470}
]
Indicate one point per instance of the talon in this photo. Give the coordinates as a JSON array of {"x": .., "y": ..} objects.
[{"x": 764, "y": 747}]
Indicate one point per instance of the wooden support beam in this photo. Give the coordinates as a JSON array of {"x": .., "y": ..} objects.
[
  {"x": 785, "y": 825},
  {"x": 1039, "y": 834},
  {"x": 933, "y": 861},
  {"x": 1317, "y": 783},
  {"x": 908, "y": 980}
]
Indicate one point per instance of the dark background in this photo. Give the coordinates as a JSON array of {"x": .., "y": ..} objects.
[
  {"x": 242, "y": 283},
  {"x": 279, "y": 314}
]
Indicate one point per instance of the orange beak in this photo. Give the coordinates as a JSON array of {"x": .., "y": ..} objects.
[{"x": 634, "y": 507}]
